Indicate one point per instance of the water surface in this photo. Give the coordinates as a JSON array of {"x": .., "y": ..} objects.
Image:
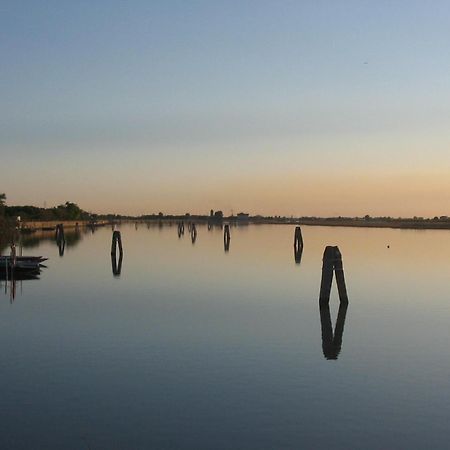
[{"x": 195, "y": 347}]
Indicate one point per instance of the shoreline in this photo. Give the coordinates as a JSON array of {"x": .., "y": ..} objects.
[{"x": 405, "y": 224}]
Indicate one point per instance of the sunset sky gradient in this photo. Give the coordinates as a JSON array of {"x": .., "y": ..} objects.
[{"x": 290, "y": 107}]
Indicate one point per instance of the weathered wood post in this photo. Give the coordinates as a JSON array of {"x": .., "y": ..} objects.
[
  {"x": 332, "y": 262},
  {"x": 298, "y": 238},
  {"x": 193, "y": 232},
  {"x": 226, "y": 238},
  {"x": 116, "y": 242},
  {"x": 180, "y": 228},
  {"x": 59, "y": 233},
  {"x": 226, "y": 233},
  {"x": 327, "y": 276},
  {"x": 298, "y": 245},
  {"x": 340, "y": 279}
]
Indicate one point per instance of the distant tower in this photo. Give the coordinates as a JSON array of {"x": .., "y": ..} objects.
[{"x": 211, "y": 213}]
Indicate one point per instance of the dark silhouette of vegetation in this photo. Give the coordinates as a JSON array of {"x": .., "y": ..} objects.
[
  {"x": 67, "y": 211},
  {"x": 6, "y": 226}
]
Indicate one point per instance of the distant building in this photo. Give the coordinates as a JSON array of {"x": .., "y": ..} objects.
[{"x": 242, "y": 216}]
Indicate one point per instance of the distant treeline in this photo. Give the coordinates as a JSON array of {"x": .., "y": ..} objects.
[{"x": 67, "y": 211}]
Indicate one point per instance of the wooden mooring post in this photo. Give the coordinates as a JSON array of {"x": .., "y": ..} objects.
[
  {"x": 59, "y": 233},
  {"x": 332, "y": 262},
  {"x": 193, "y": 229},
  {"x": 298, "y": 239},
  {"x": 226, "y": 238},
  {"x": 180, "y": 229},
  {"x": 116, "y": 243}
]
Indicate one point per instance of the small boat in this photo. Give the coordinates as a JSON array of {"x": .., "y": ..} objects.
[
  {"x": 21, "y": 264},
  {"x": 39, "y": 259}
]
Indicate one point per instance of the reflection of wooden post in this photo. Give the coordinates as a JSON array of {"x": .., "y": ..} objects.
[
  {"x": 332, "y": 261},
  {"x": 116, "y": 268},
  {"x": 61, "y": 247},
  {"x": 116, "y": 241},
  {"x": 298, "y": 255},
  {"x": 332, "y": 342}
]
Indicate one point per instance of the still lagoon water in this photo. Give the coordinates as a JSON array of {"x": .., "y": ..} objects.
[{"x": 192, "y": 347}]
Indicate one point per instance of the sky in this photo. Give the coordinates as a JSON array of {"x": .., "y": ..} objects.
[{"x": 270, "y": 107}]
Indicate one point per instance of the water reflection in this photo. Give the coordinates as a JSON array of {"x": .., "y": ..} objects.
[
  {"x": 332, "y": 342},
  {"x": 116, "y": 265},
  {"x": 71, "y": 237},
  {"x": 61, "y": 247},
  {"x": 298, "y": 252}
]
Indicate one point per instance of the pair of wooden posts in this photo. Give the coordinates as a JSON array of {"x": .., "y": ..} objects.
[
  {"x": 332, "y": 340},
  {"x": 332, "y": 263}
]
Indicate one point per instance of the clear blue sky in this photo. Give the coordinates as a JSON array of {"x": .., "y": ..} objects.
[{"x": 315, "y": 107}]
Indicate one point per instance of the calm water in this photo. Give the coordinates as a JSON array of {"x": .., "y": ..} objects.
[{"x": 196, "y": 348}]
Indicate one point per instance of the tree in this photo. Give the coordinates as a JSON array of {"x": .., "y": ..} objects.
[
  {"x": 73, "y": 211},
  {"x": 2, "y": 203}
]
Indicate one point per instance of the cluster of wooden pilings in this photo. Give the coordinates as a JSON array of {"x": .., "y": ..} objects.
[
  {"x": 332, "y": 258},
  {"x": 331, "y": 266}
]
